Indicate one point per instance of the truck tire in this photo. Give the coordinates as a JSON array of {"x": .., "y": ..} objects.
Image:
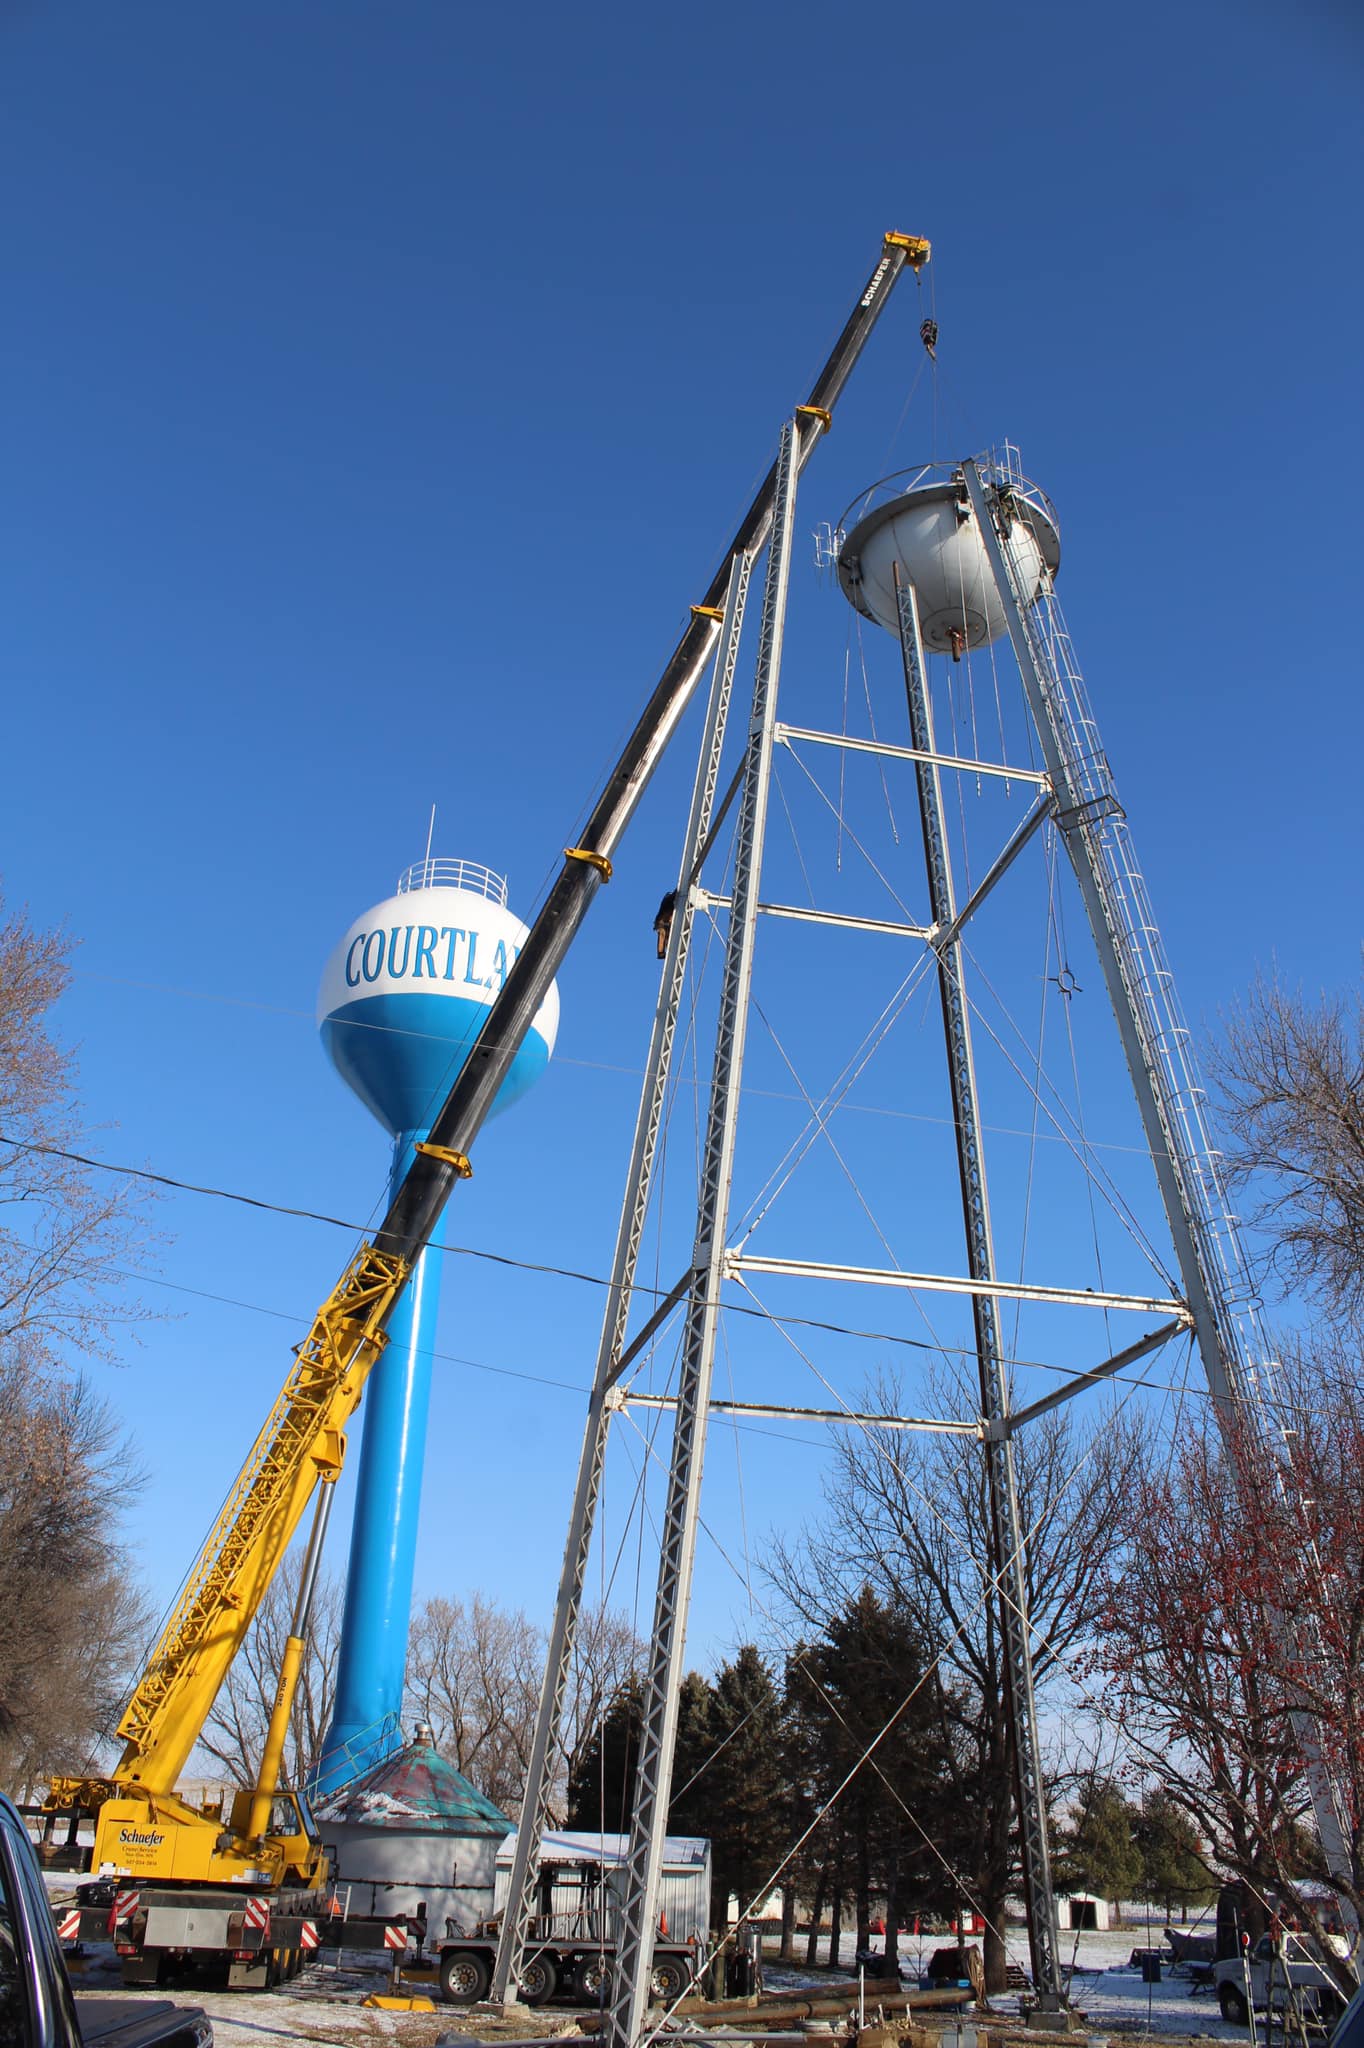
[
  {"x": 1231, "y": 2004},
  {"x": 464, "y": 1976},
  {"x": 539, "y": 1979},
  {"x": 667, "y": 1980},
  {"x": 592, "y": 1980}
]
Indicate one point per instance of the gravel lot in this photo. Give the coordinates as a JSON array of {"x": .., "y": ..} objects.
[{"x": 323, "y": 2005}]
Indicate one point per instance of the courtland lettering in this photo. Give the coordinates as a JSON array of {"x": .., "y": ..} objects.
[{"x": 428, "y": 952}]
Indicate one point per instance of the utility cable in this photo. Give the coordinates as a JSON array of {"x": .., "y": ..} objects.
[{"x": 870, "y": 1336}]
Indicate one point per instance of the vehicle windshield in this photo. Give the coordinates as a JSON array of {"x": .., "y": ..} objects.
[{"x": 1350, "y": 2032}]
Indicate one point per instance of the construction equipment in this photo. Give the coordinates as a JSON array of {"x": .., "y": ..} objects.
[{"x": 267, "y": 1847}]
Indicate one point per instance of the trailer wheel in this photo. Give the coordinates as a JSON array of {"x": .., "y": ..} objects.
[
  {"x": 1232, "y": 2004},
  {"x": 539, "y": 1979},
  {"x": 464, "y": 1976},
  {"x": 592, "y": 1981},
  {"x": 667, "y": 1980}
]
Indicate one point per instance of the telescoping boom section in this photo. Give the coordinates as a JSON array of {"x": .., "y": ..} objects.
[{"x": 143, "y": 1828}]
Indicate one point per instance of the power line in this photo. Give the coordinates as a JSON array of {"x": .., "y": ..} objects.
[{"x": 505, "y": 1259}]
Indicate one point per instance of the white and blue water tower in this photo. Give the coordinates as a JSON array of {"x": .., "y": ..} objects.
[{"x": 403, "y": 998}]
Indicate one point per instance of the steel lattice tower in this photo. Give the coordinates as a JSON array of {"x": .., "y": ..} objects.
[{"x": 1010, "y": 526}]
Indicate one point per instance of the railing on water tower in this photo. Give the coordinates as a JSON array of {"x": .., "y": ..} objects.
[{"x": 454, "y": 874}]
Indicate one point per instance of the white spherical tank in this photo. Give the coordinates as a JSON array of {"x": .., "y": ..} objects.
[
  {"x": 406, "y": 992},
  {"x": 931, "y": 532}
]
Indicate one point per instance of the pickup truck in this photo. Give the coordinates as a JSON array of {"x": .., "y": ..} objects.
[
  {"x": 1292, "y": 1960},
  {"x": 37, "y": 2006}
]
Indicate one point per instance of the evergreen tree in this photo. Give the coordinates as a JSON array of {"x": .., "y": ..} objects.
[
  {"x": 691, "y": 1807},
  {"x": 1173, "y": 1869},
  {"x": 803, "y": 1735},
  {"x": 872, "y": 1724},
  {"x": 1098, "y": 1845},
  {"x": 743, "y": 1785},
  {"x": 602, "y": 1782},
  {"x": 601, "y": 1785}
]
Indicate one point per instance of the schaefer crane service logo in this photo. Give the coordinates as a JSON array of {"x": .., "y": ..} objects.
[{"x": 139, "y": 1838}]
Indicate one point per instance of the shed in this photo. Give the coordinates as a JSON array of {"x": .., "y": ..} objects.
[
  {"x": 583, "y": 1877},
  {"x": 414, "y": 1829},
  {"x": 1082, "y": 1912}
]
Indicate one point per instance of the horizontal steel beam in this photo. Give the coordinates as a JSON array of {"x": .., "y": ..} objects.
[
  {"x": 779, "y": 1410},
  {"x": 706, "y": 899},
  {"x": 737, "y": 1263},
  {"x": 787, "y": 733}
]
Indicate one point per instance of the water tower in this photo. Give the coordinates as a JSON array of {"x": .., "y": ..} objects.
[
  {"x": 403, "y": 998},
  {"x": 959, "y": 569}
]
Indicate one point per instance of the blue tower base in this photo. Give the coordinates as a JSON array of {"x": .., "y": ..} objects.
[{"x": 372, "y": 1660}]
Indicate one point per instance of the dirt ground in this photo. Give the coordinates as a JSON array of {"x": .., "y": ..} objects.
[{"x": 323, "y": 2005}]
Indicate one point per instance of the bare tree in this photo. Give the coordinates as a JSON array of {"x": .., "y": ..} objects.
[
  {"x": 1290, "y": 1073},
  {"x": 908, "y": 1513},
  {"x": 1195, "y": 1657},
  {"x": 69, "y": 1234},
  {"x": 70, "y": 1615},
  {"x": 234, "y": 1733},
  {"x": 473, "y": 1673},
  {"x": 71, "y": 1618},
  {"x": 607, "y": 1654},
  {"x": 1196, "y": 1666}
]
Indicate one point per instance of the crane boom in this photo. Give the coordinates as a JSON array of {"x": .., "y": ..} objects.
[{"x": 303, "y": 1438}]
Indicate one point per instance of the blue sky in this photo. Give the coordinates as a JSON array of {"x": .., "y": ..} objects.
[{"x": 380, "y": 386}]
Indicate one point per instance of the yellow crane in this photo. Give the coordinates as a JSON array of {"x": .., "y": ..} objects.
[{"x": 146, "y": 1833}]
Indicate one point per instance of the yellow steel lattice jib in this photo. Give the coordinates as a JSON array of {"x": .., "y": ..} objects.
[{"x": 258, "y": 1519}]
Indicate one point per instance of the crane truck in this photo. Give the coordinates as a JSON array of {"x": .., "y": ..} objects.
[{"x": 247, "y": 1884}]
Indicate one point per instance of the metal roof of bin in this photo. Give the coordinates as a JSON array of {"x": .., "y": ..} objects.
[{"x": 415, "y": 1792}]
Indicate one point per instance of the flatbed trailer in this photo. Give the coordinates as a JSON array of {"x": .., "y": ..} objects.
[{"x": 559, "y": 1968}]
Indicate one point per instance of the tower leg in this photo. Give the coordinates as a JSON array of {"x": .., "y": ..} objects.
[
  {"x": 1232, "y": 1343},
  {"x": 523, "y": 1889},
  {"x": 1008, "y": 1564},
  {"x": 653, "y": 1775}
]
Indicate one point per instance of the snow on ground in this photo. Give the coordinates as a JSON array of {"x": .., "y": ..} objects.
[
  {"x": 323, "y": 2005},
  {"x": 1105, "y": 1987},
  {"x": 1111, "y": 1993}
]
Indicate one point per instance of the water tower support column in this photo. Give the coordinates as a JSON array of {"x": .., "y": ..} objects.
[
  {"x": 523, "y": 1890},
  {"x": 653, "y": 1773},
  {"x": 372, "y": 1665},
  {"x": 1008, "y": 1562},
  {"x": 1237, "y": 1357}
]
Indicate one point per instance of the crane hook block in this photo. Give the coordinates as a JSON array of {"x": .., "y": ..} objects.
[
  {"x": 448, "y": 1158},
  {"x": 917, "y": 250},
  {"x": 816, "y": 412},
  {"x": 594, "y": 860}
]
